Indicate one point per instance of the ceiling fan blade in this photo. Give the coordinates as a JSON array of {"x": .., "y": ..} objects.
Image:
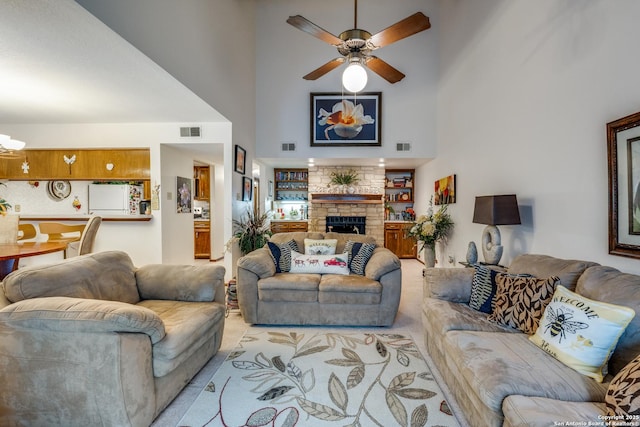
[
  {"x": 309, "y": 27},
  {"x": 384, "y": 70},
  {"x": 324, "y": 69},
  {"x": 398, "y": 31}
]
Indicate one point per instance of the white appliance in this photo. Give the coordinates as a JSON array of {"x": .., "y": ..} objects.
[{"x": 114, "y": 199}]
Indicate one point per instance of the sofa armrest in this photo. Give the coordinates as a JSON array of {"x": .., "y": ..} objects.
[
  {"x": 76, "y": 315},
  {"x": 449, "y": 284},
  {"x": 194, "y": 283},
  {"x": 258, "y": 262},
  {"x": 381, "y": 262}
]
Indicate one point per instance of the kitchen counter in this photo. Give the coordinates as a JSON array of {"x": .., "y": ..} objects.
[{"x": 82, "y": 217}]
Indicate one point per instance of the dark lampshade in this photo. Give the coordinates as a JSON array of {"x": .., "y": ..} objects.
[{"x": 496, "y": 210}]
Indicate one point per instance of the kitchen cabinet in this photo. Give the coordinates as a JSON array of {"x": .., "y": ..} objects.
[
  {"x": 201, "y": 177},
  {"x": 397, "y": 241},
  {"x": 123, "y": 164},
  {"x": 201, "y": 239},
  {"x": 288, "y": 226}
]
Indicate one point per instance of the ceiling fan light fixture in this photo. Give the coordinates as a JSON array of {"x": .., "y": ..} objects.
[{"x": 354, "y": 77}]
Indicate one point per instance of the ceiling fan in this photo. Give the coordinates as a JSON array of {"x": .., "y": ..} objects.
[{"x": 356, "y": 45}]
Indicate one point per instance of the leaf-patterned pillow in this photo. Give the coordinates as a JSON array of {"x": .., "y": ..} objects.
[
  {"x": 520, "y": 301},
  {"x": 623, "y": 395}
]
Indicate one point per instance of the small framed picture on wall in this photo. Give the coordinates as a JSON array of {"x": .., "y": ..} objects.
[
  {"x": 247, "y": 186},
  {"x": 240, "y": 160}
]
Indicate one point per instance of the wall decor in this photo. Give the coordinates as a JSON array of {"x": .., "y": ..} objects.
[
  {"x": 445, "y": 190},
  {"x": 240, "y": 159},
  {"x": 270, "y": 195},
  {"x": 341, "y": 120},
  {"x": 247, "y": 186},
  {"x": 623, "y": 156},
  {"x": 183, "y": 195}
]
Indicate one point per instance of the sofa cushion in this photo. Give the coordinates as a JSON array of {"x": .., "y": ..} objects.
[
  {"x": 520, "y": 301},
  {"x": 289, "y": 287},
  {"x": 544, "y": 266},
  {"x": 77, "y": 315},
  {"x": 281, "y": 254},
  {"x": 104, "y": 275},
  {"x": 523, "y": 411},
  {"x": 623, "y": 395},
  {"x": 359, "y": 255},
  {"x": 607, "y": 284},
  {"x": 320, "y": 246},
  {"x": 497, "y": 365},
  {"x": 188, "y": 326},
  {"x": 320, "y": 264},
  {"x": 581, "y": 332},
  {"x": 351, "y": 289}
]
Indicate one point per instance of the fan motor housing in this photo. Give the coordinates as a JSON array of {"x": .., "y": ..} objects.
[{"x": 354, "y": 41}]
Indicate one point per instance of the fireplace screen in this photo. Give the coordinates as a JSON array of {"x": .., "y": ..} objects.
[{"x": 346, "y": 224}]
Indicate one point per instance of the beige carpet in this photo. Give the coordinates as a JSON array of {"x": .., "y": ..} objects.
[{"x": 408, "y": 322}]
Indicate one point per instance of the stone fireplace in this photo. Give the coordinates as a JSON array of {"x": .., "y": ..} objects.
[
  {"x": 370, "y": 207},
  {"x": 346, "y": 224}
]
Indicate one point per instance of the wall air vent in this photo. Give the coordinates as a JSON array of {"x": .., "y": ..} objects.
[
  {"x": 288, "y": 146},
  {"x": 190, "y": 132},
  {"x": 403, "y": 146}
]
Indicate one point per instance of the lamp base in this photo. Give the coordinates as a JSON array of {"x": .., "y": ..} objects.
[{"x": 491, "y": 247}]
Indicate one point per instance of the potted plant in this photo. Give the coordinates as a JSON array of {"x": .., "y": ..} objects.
[
  {"x": 251, "y": 232},
  {"x": 345, "y": 179},
  {"x": 4, "y": 205},
  {"x": 431, "y": 228}
]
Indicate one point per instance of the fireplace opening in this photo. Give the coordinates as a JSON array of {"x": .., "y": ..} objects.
[{"x": 346, "y": 224}]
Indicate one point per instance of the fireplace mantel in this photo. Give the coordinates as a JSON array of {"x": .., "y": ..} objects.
[{"x": 346, "y": 198}]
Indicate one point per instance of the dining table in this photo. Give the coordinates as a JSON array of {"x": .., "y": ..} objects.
[{"x": 10, "y": 253}]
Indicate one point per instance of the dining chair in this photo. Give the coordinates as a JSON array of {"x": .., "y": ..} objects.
[
  {"x": 9, "y": 228},
  {"x": 63, "y": 233},
  {"x": 26, "y": 231},
  {"x": 88, "y": 237}
]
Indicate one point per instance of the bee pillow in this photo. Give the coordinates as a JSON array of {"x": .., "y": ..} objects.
[{"x": 581, "y": 332}]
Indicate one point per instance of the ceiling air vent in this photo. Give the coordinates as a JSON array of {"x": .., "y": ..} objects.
[
  {"x": 288, "y": 146},
  {"x": 190, "y": 132},
  {"x": 403, "y": 146}
]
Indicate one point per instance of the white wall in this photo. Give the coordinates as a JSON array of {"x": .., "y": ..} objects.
[
  {"x": 524, "y": 95},
  {"x": 143, "y": 241},
  {"x": 285, "y": 54}
]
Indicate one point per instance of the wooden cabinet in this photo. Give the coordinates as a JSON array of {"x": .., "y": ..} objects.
[
  {"x": 397, "y": 241},
  {"x": 201, "y": 239},
  {"x": 399, "y": 193},
  {"x": 288, "y": 226},
  {"x": 291, "y": 185},
  {"x": 126, "y": 164},
  {"x": 201, "y": 177}
]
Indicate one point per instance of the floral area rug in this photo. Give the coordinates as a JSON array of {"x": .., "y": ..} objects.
[{"x": 288, "y": 379}]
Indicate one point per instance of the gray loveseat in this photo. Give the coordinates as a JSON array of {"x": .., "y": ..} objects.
[
  {"x": 498, "y": 376},
  {"x": 267, "y": 297},
  {"x": 95, "y": 341}
]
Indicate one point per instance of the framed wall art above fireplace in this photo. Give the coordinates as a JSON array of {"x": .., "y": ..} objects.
[
  {"x": 345, "y": 120},
  {"x": 623, "y": 155}
]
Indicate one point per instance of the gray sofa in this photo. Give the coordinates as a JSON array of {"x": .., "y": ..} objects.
[
  {"x": 498, "y": 376},
  {"x": 95, "y": 341},
  {"x": 267, "y": 297}
]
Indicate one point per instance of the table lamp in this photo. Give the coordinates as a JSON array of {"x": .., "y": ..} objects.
[{"x": 493, "y": 211}]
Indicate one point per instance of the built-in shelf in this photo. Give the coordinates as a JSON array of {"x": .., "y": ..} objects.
[{"x": 346, "y": 198}]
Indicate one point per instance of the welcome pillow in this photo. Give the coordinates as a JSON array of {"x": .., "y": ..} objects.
[
  {"x": 320, "y": 264},
  {"x": 581, "y": 332},
  {"x": 320, "y": 246}
]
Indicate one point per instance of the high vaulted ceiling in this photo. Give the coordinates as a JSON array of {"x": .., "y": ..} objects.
[{"x": 60, "y": 64}]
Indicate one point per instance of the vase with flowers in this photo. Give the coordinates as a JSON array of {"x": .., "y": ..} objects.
[{"x": 431, "y": 228}]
